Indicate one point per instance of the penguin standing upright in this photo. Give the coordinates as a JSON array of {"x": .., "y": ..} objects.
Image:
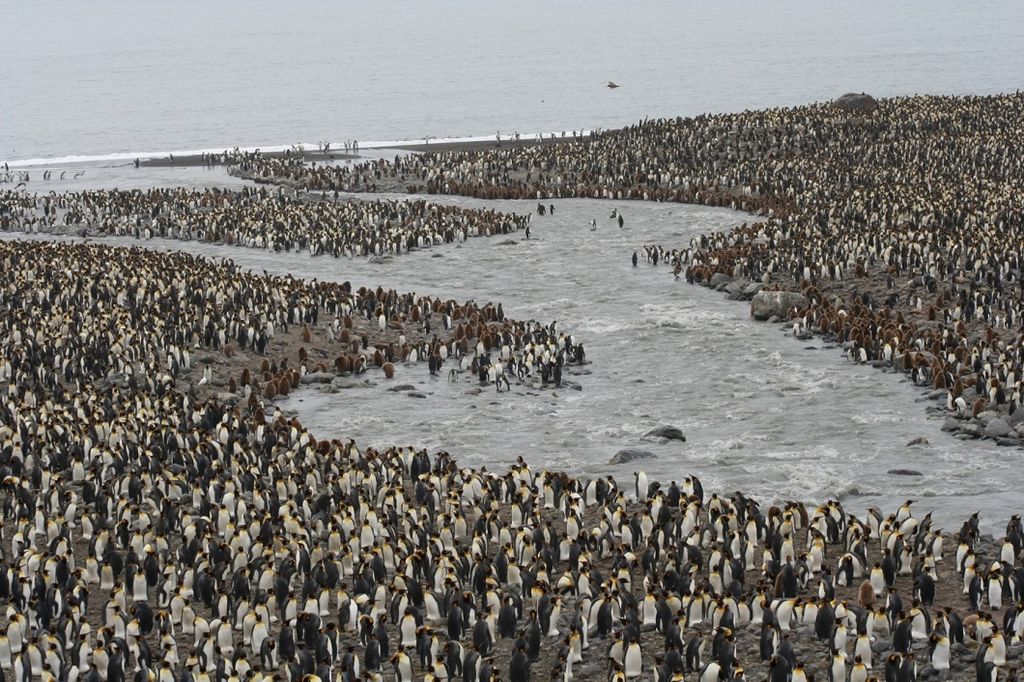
[
  {"x": 533, "y": 637},
  {"x": 938, "y": 651},
  {"x": 924, "y": 587},
  {"x": 482, "y": 637},
  {"x": 633, "y": 660},
  {"x": 402, "y": 665},
  {"x": 837, "y": 669},
  {"x": 519, "y": 666}
]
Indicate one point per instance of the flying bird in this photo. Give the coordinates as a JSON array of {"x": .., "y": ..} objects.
[{"x": 612, "y": 85}]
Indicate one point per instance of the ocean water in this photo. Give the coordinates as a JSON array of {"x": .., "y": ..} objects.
[{"x": 113, "y": 79}]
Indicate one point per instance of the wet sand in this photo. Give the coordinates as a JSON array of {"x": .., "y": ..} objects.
[{"x": 219, "y": 159}]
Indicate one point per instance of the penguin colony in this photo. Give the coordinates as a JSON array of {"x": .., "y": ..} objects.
[
  {"x": 257, "y": 218},
  {"x": 164, "y": 307},
  {"x": 92, "y": 422},
  {"x": 153, "y": 534},
  {"x": 902, "y": 227},
  {"x": 148, "y": 535}
]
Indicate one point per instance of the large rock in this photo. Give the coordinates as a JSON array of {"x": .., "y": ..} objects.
[
  {"x": 985, "y": 416},
  {"x": 718, "y": 279},
  {"x": 630, "y": 454},
  {"x": 904, "y": 472},
  {"x": 997, "y": 428},
  {"x": 768, "y": 304},
  {"x": 666, "y": 432},
  {"x": 970, "y": 430},
  {"x": 736, "y": 290},
  {"x": 343, "y": 383},
  {"x": 734, "y": 287},
  {"x": 950, "y": 424},
  {"x": 852, "y": 102},
  {"x": 317, "y": 378}
]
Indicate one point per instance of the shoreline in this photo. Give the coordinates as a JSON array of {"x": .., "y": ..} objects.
[
  {"x": 476, "y": 145},
  {"x": 966, "y": 426},
  {"x": 193, "y": 160},
  {"x": 862, "y": 302}
]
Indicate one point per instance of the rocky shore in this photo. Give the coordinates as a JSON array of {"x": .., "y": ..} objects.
[
  {"x": 780, "y": 307},
  {"x": 902, "y": 240}
]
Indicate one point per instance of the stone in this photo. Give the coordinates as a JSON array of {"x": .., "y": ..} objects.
[
  {"x": 415, "y": 394},
  {"x": 328, "y": 388},
  {"x": 950, "y": 424},
  {"x": 996, "y": 428},
  {"x": 905, "y": 472},
  {"x": 734, "y": 291},
  {"x": 880, "y": 645},
  {"x": 768, "y": 304},
  {"x": 751, "y": 289},
  {"x": 402, "y": 387},
  {"x": 856, "y": 103},
  {"x": 970, "y": 430},
  {"x": 666, "y": 432},
  {"x": 1007, "y": 442},
  {"x": 317, "y": 378},
  {"x": 508, "y": 242},
  {"x": 228, "y": 398},
  {"x": 718, "y": 279},
  {"x": 962, "y": 651},
  {"x": 630, "y": 454},
  {"x": 344, "y": 383},
  {"x": 918, "y": 441}
]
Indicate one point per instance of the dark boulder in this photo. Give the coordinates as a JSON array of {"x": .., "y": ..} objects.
[
  {"x": 666, "y": 432},
  {"x": 856, "y": 103},
  {"x": 629, "y": 455}
]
